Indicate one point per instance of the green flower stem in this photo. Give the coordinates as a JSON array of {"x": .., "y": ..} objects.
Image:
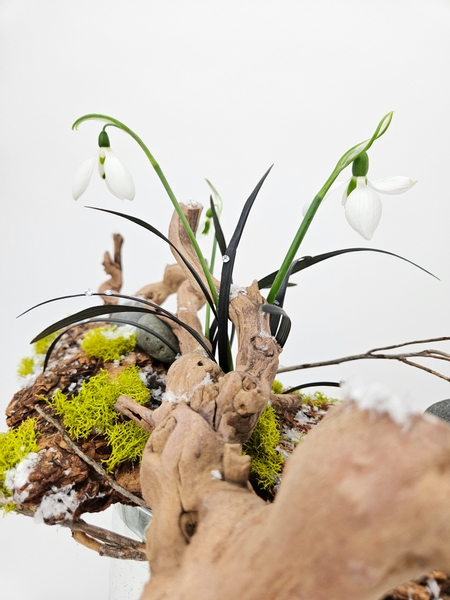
[
  {"x": 304, "y": 226},
  {"x": 165, "y": 183},
  {"x": 213, "y": 255},
  {"x": 346, "y": 159}
]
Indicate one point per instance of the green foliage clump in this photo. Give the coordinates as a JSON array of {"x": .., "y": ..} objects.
[
  {"x": 29, "y": 364},
  {"x": 92, "y": 409},
  {"x": 41, "y": 346},
  {"x": 26, "y": 367},
  {"x": 108, "y": 343},
  {"x": 127, "y": 441},
  {"x": 318, "y": 399},
  {"x": 266, "y": 461},
  {"x": 277, "y": 387},
  {"x": 15, "y": 445}
]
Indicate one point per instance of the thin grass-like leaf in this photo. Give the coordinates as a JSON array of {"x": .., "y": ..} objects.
[
  {"x": 307, "y": 261},
  {"x": 282, "y": 334},
  {"x": 95, "y": 311},
  {"x": 149, "y": 227},
  {"x": 109, "y": 320},
  {"x": 312, "y": 384},
  {"x": 218, "y": 228},
  {"x": 227, "y": 278}
]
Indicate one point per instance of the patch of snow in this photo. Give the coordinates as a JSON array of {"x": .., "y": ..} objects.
[
  {"x": 60, "y": 503},
  {"x": 378, "y": 399},
  {"x": 434, "y": 589},
  {"x": 216, "y": 474},
  {"x": 265, "y": 334},
  {"x": 291, "y": 435},
  {"x": 236, "y": 289},
  {"x": 170, "y": 397},
  {"x": 125, "y": 331},
  {"x": 205, "y": 381},
  {"x": 303, "y": 419},
  {"x": 18, "y": 477}
]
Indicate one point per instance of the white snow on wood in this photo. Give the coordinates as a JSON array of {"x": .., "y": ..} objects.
[
  {"x": 236, "y": 289},
  {"x": 18, "y": 477},
  {"x": 376, "y": 398},
  {"x": 60, "y": 503}
]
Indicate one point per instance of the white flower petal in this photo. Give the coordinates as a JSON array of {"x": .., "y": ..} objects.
[
  {"x": 363, "y": 209},
  {"x": 83, "y": 177},
  {"x": 118, "y": 178},
  {"x": 392, "y": 185}
]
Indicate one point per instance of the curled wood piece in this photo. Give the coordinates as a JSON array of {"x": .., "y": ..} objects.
[
  {"x": 158, "y": 292},
  {"x": 113, "y": 268},
  {"x": 136, "y": 412}
]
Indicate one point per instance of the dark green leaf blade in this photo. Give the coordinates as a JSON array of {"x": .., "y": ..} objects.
[{"x": 227, "y": 277}]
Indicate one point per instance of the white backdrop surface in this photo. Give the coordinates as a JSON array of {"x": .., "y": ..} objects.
[{"x": 221, "y": 90}]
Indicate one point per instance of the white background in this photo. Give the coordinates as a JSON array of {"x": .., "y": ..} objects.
[{"x": 222, "y": 90}]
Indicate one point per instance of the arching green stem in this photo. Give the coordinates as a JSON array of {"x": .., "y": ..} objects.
[
  {"x": 345, "y": 160},
  {"x": 115, "y": 123}
]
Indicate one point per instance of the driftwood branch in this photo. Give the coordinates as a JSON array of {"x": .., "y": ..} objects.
[
  {"x": 105, "y": 542},
  {"x": 363, "y": 506},
  {"x": 113, "y": 268},
  {"x": 92, "y": 463},
  {"x": 378, "y": 353}
]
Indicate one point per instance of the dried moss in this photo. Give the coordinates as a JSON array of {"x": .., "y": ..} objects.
[
  {"x": 109, "y": 342},
  {"x": 261, "y": 447},
  {"x": 15, "y": 445}
]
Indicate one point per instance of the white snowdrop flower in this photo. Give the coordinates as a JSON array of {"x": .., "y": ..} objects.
[
  {"x": 361, "y": 201},
  {"x": 117, "y": 177},
  {"x": 363, "y": 205}
]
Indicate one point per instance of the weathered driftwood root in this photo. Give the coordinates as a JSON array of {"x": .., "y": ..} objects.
[
  {"x": 160, "y": 291},
  {"x": 113, "y": 268},
  {"x": 363, "y": 507}
]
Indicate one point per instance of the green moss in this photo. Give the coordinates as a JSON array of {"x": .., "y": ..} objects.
[
  {"x": 29, "y": 364},
  {"x": 266, "y": 461},
  {"x": 43, "y": 345},
  {"x": 318, "y": 399},
  {"x": 26, "y": 367},
  {"x": 107, "y": 343},
  {"x": 277, "y": 387},
  {"x": 92, "y": 411},
  {"x": 15, "y": 445},
  {"x": 127, "y": 441}
]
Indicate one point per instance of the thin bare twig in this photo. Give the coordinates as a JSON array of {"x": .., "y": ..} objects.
[
  {"x": 92, "y": 463},
  {"x": 111, "y": 544},
  {"x": 436, "y": 339},
  {"x": 371, "y": 354}
]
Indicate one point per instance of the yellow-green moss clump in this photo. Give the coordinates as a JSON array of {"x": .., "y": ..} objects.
[
  {"x": 109, "y": 342},
  {"x": 318, "y": 399},
  {"x": 30, "y": 364},
  {"x": 15, "y": 445},
  {"x": 92, "y": 411},
  {"x": 261, "y": 446},
  {"x": 277, "y": 387}
]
